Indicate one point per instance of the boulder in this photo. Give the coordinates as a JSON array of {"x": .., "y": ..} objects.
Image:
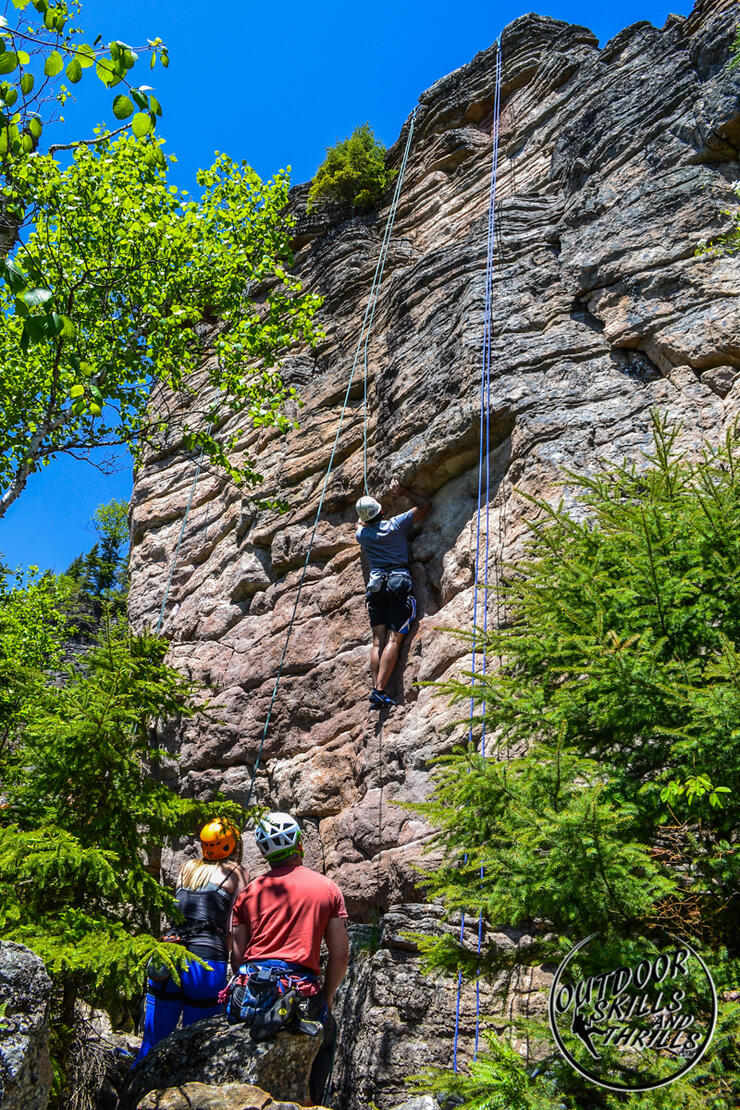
[
  {"x": 207, "y": 1096},
  {"x": 25, "y": 1065},
  {"x": 213, "y": 1053}
]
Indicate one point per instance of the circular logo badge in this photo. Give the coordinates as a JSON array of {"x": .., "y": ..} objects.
[{"x": 632, "y": 1013}]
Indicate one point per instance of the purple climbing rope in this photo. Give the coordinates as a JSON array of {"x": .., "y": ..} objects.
[{"x": 482, "y": 516}]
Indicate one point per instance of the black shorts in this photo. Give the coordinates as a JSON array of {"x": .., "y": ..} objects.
[{"x": 392, "y": 603}]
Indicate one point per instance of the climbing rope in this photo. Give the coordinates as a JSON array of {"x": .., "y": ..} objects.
[
  {"x": 364, "y": 335},
  {"x": 372, "y": 303},
  {"x": 482, "y": 518}
]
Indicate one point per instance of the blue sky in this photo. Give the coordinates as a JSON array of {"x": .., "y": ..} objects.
[{"x": 275, "y": 84}]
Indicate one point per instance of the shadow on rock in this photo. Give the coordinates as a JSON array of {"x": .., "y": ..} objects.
[{"x": 212, "y": 1052}]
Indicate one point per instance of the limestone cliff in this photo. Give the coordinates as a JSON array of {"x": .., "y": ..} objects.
[{"x": 614, "y": 163}]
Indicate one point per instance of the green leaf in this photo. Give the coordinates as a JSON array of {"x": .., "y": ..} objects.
[
  {"x": 68, "y": 330},
  {"x": 35, "y": 126},
  {"x": 27, "y": 83},
  {"x": 24, "y": 58},
  {"x": 165, "y": 59},
  {"x": 105, "y": 70},
  {"x": 21, "y": 4},
  {"x": 140, "y": 99},
  {"x": 85, "y": 55},
  {"x": 13, "y": 275},
  {"x": 36, "y": 297},
  {"x": 11, "y": 95},
  {"x": 40, "y": 5},
  {"x": 8, "y": 62},
  {"x": 122, "y": 107},
  {"x": 54, "y": 64},
  {"x": 77, "y": 391},
  {"x": 142, "y": 124},
  {"x": 74, "y": 71},
  {"x": 155, "y": 105}
]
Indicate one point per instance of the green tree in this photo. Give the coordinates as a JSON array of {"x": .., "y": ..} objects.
[
  {"x": 42, "y": 54},
  {"x": 33, "y": 630},
  {"x": 100, "y": 577},
  {"x": 353, "y": 172},
  {"x": 611, "y": 790},
  {"x": 84, "y": 803},
  {"x": 105, "y": 296}
]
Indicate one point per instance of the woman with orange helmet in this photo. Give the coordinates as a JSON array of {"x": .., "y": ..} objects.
[{"x": 205, "y": 892}]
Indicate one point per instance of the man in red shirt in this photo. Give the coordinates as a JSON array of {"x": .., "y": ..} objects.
[{"x": 280, "y": 920}]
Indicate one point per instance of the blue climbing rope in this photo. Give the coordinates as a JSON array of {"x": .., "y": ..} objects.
[{"x": 482, "y": 518}]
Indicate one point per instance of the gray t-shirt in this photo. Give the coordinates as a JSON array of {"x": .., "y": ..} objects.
[{"x": 386, "y": 543}]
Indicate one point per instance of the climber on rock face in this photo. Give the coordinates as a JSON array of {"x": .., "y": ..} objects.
[
  {"x": 391, "y": 604},
  {"x": 278, "y": 924}
]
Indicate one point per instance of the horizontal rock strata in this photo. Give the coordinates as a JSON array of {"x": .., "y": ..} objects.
[{"x": 615, "y": 162}]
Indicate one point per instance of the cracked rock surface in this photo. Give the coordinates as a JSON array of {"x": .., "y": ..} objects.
[
  {"x": 615, "y": 162},
  {"x": 25, "y": 995}
]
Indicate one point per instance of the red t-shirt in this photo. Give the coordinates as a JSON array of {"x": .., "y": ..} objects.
[{"x": 286, "y": 913}]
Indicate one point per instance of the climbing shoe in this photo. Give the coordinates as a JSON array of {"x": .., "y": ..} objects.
[{"x": 380, "y": 700}]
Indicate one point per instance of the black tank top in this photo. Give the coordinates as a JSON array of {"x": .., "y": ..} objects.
[{"x": 206, "y": 923}]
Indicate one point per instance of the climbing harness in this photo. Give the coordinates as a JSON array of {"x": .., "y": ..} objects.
[
  {"x": 364, "y": 337},
  {"x": 482, "y": 519},
  {"x": 268, "y": 997}
]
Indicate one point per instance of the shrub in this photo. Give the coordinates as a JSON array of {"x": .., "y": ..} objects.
[{"x": 353, "y": 172}]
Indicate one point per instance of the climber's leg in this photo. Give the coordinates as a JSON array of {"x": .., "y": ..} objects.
[
  {"x": 401, "y": 608},
  {"x": 389, "y": 658},
  {"x": 160, "y": 1016},
  {"x": 322, "y": 1065},
  {"x": 380, "y": 633}
]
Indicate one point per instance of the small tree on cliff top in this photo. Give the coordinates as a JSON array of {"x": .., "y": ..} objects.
[
  {"x": 611, "y": 795},
  {"x": 353, "y": 172}
]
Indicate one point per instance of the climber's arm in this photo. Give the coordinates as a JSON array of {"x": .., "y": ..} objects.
[
  {"x": 239, "y": 941},
  {"x": 422, "y": 505},
  {"x": 337, "y": 941}
]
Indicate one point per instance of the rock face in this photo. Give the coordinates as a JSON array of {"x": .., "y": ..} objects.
[
  {"x": 204, "y": 1096},
  {"x": 213, "y": 1053},
  {"x": 25, "y": 1065},
  {"x": 614, "y": 163}
]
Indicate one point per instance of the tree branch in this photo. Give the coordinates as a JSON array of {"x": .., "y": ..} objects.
[{"x": 87, "y": 142}]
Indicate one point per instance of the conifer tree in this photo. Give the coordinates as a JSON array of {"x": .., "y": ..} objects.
[
  {"x": 610, "y": 794},
  {"x": 84, "y": 801}
]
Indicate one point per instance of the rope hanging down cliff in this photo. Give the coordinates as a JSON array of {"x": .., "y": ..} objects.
[
  {"x": 483, "y": 514},
  {"x": 365, "y": 332}
]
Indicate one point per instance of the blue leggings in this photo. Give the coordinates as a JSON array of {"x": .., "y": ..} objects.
[{"x": 162, "y": 1014}]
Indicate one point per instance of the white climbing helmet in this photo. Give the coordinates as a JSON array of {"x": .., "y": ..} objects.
[
  {"x": 367, "y": 509},
  {"x": 278, "y": 836}
]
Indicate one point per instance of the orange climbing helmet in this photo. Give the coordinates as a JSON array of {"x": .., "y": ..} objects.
[{"x": 219, "y": 839}]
